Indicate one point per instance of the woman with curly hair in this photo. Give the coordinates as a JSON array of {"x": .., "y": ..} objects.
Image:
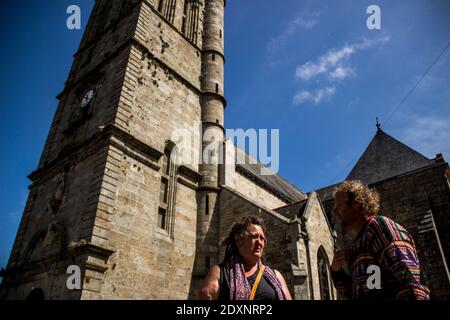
[{"x": 242, "y": 275}]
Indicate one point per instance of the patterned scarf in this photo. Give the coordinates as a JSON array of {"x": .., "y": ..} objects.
[{"x": 239, "y": 286}]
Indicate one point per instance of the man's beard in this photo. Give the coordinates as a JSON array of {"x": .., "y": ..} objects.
[{"x": 345, "y": 234}]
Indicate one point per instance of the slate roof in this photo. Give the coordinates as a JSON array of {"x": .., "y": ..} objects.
[
  {"x": 386, "y": 157},
  {"x": 254, "y": 169},
  {"x": 293, "y": 210},
  {"x": 327, "y": 192}
]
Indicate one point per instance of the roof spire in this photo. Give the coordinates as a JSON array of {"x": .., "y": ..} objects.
[{"x": 378, "y": 125}]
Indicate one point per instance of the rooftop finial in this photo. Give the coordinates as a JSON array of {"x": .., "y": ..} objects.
[{"x": 378, "y": 125}]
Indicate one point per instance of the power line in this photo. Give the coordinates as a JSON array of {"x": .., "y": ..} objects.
[
  {"x": 397, "y": 106},
  {"x": 417, "y": 84}
]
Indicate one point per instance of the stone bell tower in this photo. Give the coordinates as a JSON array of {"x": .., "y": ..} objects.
[
  {"x": 213, "y": 104},
  {"x": 108, "y": 197}
]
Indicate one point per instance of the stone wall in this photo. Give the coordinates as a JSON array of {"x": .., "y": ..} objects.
[
  {"x": 60, "y": 203},
  {"x": 100, "y": 66},
  {"x": 155, "y": 104},
  {"x": 147, "y": 262}
]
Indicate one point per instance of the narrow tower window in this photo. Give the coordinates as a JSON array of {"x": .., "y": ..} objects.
[
  {"x": 160, "y": 5},
  {"x": 164, "y": 190},
  {"x": 162, "y": 218},
  {"x": 207, "y": 264},
  {"x": 207, "y": 205},
  {"x": 167, "y": 9},
  {"x": 183, "y": 25},
  {"x": 167, "y": 192}
]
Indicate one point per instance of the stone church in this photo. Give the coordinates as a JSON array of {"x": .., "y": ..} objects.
[{"x": 110, "y": 197}]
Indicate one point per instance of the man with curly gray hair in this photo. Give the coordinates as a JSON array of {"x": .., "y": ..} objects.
[{"x": 383, "y": 260}]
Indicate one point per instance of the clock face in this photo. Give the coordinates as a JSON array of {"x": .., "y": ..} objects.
[{"x": 87, "y": 98}]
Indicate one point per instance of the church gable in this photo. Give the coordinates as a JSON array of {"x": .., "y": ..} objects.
[
  {"x": 316, "y": 246},
  {"x": 386, "y": 157},
  {"x": 294, "y": 210}
]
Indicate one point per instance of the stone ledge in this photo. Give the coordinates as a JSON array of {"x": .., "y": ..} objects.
[{"x": 103, "y": 138}]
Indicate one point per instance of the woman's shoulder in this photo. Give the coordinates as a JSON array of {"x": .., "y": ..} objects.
[
  {"x": 274, "y": 272},
  {"x": 270, "y": 269},
  {"x": 277, "y": 274}
]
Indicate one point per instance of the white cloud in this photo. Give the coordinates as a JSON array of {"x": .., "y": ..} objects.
[
  {"x": 340, "y": 73},
  {"x": 332, "y": 61},
  {"x": 309, "y": 70},
  {"x": 329, "y": 60},
  {"x": 303, "y": 96},
  {"x": 316, "y": 97},
  {"x": 302, "y": 21},
  {"x": 304, "y": 24}
]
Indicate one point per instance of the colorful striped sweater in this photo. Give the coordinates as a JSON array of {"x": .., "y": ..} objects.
[{"x": 387, "y": 245}]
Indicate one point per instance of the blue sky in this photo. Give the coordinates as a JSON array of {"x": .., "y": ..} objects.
[{"x": 309, "y": 68}]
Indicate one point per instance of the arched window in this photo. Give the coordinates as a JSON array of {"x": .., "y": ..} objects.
[
  {"x": 190, "y": 20},
  {"x": 167, "y": 195},
  {"x": 324, "y": 279}
]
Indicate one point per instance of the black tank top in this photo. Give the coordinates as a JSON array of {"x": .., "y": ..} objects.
[{"x": 264, "y": 292}]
